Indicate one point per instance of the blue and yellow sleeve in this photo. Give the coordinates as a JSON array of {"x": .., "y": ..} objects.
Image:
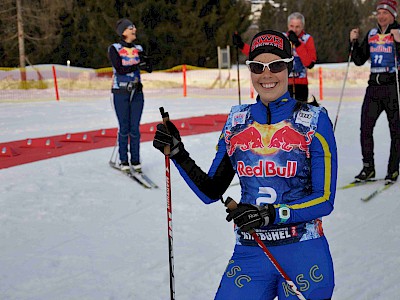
[{"x": 324, "y": 176}]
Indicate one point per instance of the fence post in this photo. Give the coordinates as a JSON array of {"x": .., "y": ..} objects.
[
  {"x": 184, "y": 80},
  {"x": 69, "y": 76},
  {"x": 321, "y": 96},
  {"x": 55, "y": 83}
]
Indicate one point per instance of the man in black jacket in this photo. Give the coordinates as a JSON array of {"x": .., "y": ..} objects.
[{"x": 381, "y": 46}]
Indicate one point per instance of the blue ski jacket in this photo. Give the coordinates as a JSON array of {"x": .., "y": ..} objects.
[{"x": 285, "y": 155}]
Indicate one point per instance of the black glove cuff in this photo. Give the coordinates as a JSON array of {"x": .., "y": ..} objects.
[
  {"x": 267, "y": 212},
  {"x": 182, "y": 154},
  {"x": 177, "y": 146}
]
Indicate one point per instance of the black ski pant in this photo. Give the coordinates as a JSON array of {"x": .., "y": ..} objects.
[{"x": 378, "y": 99}]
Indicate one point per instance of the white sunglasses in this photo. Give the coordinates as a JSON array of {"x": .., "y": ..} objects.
[{"x": 275, "y": 66}]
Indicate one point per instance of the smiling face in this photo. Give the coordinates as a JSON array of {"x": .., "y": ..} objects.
[
  {"x": 129, "y": 34},
  {"x": 384, "y": 18},
  {"x": 269, "y": 86}
]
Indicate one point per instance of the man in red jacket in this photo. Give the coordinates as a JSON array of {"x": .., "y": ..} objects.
[{"x": 303, "y": 50}]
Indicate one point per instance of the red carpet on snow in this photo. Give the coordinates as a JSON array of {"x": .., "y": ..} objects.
[{"x": 34, "y": 149}]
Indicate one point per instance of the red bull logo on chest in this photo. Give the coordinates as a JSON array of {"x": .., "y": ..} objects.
[
  {"x": 380, "y": 39},
  {"x": 382, "y": 43},
  {"x": 129, "y": 56},
  {"x": 250, "y": 138},
  {"x": 286, "y": 139}
]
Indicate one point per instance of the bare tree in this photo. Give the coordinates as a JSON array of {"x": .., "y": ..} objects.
[
  {"x": 21, "y": 41},
  {"x": 32, "y": 27}
]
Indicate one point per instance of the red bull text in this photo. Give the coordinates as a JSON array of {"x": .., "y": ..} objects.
[{"x": 267, "y": 169}]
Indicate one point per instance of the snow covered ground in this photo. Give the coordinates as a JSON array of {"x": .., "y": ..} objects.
[{"x": 73, "y": 228}]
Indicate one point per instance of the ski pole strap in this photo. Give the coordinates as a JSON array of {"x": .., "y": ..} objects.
[
  {"x": 232, "y": 205},
  {"x": 165, "y": 118}
]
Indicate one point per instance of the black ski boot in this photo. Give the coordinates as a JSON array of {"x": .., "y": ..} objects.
[
  {"x": 368, "y": 172},
  {"x": 391, "y": 177}
]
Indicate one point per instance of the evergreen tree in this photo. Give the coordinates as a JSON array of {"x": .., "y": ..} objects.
[
  {"x": 270, "y": 18},
  {"x": 188, "y": 32},
  {"x": 329, "y": 22},
  {"x": 87, "y": 30},
  {"x": 320, "y": 25},
  {"x": 366, "y": 10},
  {"x": 331, "y": 27},
  {"x": 173, "y": 32}
]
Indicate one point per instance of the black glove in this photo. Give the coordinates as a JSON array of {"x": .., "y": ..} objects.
[
  {"x": 249, "y": 216},
  {"x": 293, "y": 38},
  {"x": 237, "y": 41},
  {"x": 145, "y": 63},
  {"x": 173, "y": 139}
]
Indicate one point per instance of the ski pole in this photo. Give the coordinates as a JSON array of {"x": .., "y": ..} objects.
[
  {"x": 344, "y": 83},
  {"x": 167, "y": 151},
  {"x": 231, "y": 204},
  {"x": 112, "y": 160},
  {"x": 397, "y": 72},
  {"x": 294, "y": 75},
  {"x": 238, "y": 75}
]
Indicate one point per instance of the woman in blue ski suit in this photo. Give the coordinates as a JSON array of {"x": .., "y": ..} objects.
[
  {"x": 127, "y": 59},
  {"x": 284, "y": 153}
]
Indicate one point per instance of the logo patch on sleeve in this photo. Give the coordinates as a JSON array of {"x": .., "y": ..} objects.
[
  {"x": 239, "y": 118},
  {"x": 304, "y": 118}
]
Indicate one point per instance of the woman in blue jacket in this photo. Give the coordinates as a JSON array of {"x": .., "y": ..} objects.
[{"x": 284, "y": 153}]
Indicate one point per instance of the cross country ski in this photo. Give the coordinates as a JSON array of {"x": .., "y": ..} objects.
[
  {"x": 356, "y": 183},
  {"x": 379, "y": 190},
  {"x": 139, "y": 177}
]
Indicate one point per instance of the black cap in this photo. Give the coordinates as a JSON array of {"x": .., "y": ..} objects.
[
  {"x": 270, "y": 41},
  {"x": 122, "y": 25}
]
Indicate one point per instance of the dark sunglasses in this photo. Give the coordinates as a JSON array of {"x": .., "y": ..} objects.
[{"x": 275, "y": 66}]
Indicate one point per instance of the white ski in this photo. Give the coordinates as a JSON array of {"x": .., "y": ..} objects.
[{"x": 139, "y": 177}]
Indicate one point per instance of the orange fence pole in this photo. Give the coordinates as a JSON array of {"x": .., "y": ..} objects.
[
  {"x": 55, "y": 83},
  {"x": 321, "y": 96},
  {"x": 184, "y": 80},
  {"x": 251, "y": 91}
]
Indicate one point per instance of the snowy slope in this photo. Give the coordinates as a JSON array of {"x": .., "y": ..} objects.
[{"x": 73, "y": 228}]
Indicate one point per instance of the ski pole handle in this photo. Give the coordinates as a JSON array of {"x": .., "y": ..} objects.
[
  {"x": 165, "y": 118},
  {"x": 232, "y": 205}
]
